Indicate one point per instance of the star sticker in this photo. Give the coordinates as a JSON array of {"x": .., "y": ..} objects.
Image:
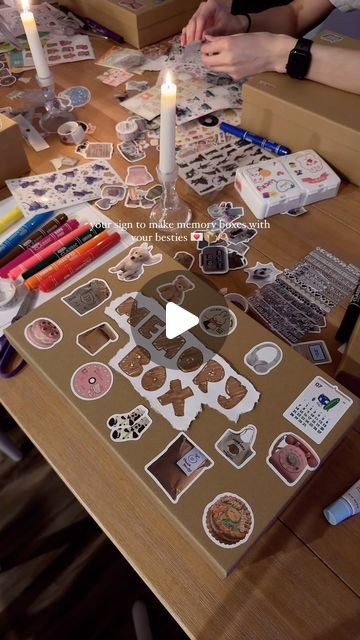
[{"x": 262, "y": 274}]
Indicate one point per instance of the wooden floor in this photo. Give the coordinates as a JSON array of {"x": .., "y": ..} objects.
[{"x": 60, "y": 577}]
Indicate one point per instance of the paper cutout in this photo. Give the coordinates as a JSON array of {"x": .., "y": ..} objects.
[
  {"x": 290, "y": 457},
  {"x": 215, "y": 383},
  {"x": 96, "y": 338}
]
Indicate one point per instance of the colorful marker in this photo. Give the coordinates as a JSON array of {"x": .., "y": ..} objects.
[
  {"x": 10, "y": 218},
  {"x": 79, "y": 262},
  {"x": 64, "y": 249},
  {"x": 15, "y": 267},
  {"x": 28, "y": 234},
  {"x": 35, "y": 280}
]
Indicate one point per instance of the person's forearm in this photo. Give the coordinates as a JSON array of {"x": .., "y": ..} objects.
[
  {"x": 294, "y": 19},
  {"x": 335, "y": 67}
]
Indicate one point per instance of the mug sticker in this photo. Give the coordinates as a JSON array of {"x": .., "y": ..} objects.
[
  {"x": 88, "y": 296},
  {"x": 290, "y": 457},
  {"x": 228, "y": 520},
  {"x": 237, "y": 446},
  {"x": 91, "y": 381},
  {"x": 43, "y": 333}
]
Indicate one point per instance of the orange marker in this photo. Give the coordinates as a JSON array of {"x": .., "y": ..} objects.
[{"x": 34, "y": 281}]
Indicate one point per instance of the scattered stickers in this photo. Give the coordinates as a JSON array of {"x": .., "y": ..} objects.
[
  {"x": 43, "y": 333},
  {"x": 91, "y": 381},
  {"x": 290, "y": 457}
]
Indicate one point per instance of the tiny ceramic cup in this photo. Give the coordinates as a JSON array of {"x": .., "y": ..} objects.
[{"x": 71, "y": 133}]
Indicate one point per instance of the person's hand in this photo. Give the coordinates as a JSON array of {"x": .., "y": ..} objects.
[
  {"x": 214, "y": 18},
  {"x": 246, "y": 54}
]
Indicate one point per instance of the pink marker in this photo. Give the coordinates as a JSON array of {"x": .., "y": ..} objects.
[
  {"x": 31, "y": 252},
  {"x": 34, "y": 260}
]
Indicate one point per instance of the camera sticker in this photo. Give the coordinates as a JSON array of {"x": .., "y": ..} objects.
[
  {"x": 175, "y": 291},
  {"x": 132, "y": 266},
  {"x": 315, "y": 350},
  {"x": 228, "y": 520},
  {"x": 130, "y": 426},
  {"x": 88, "y": 296},
  {"x": 96, "y": 338},
  {"x": 263, "y": 358},
  {"x": 237, "y": 446},
  {"x": 91, "y": 381},
  {"x": 43, "y": 333},
  {"x": 290, "y": 457},
  {"x": 217, "y": 321},
  {"x": 262, "y": 274},
  {"x": 178, "y": 466},
  {"x": 318, "y": 409}
]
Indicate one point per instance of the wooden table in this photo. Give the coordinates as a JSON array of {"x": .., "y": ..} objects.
[{"x": 302, "y": 579}]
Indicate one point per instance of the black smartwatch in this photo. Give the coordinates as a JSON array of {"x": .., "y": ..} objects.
[{"x": 299, "y": 61}]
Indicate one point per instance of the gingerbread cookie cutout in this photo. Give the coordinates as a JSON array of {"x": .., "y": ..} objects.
[
  {"x": 211, "y": 372},
  {"x": 43, "y": 333},
  {"x": 175, "y": 291},
  {"x": 176, "y": 396},
  {"x": 133, "y": 363},
  {"x": 190, "y": 360},
  {"x": 236, "y": 392},
  {"x": 228, "y": 520},
  {"x": 154, "y": 379}
]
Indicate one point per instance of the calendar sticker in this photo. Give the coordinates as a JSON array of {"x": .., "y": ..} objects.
[{"x": 318, "y": 409}]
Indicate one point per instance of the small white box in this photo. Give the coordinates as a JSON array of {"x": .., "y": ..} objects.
[
  {"x": 312, "y": 175},
  {"x": 268, "y": 188}
]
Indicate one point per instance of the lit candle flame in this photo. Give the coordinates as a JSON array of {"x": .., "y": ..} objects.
[
  {"x": 25, "y": 5},
  {"x": 168, "y": 79}
]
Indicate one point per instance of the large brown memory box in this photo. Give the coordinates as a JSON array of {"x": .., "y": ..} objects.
[
  {"x": 11, "y": 148},
  {"x": 302, "y": 114},
  {"x": 139, "y": 22}
]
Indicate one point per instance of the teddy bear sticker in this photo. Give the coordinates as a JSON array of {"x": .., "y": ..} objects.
[
  {"x": 175, "y": 291},
  {"x": 132, "y": 266}
]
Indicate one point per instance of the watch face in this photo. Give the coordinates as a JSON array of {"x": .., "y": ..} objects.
[{"x": 298, "y": 64}]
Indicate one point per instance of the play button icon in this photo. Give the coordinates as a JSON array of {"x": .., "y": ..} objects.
[{"x": 178, "y": 320}]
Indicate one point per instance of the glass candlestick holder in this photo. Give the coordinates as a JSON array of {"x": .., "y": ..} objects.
[
  {"x": 170, "y": 209},
  {"x": 56, "y": 112}
]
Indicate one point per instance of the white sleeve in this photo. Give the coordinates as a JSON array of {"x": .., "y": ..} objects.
[{"x": 346, "y": 5}]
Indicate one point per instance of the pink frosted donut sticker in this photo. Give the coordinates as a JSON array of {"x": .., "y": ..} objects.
[
  {"x": 43, "y": 333},
  {"x": 91, "y": 381}
]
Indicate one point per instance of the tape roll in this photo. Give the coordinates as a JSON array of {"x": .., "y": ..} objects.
[
  {"x": 209, "y": 121},
  {"x": 127, "y": 130}
]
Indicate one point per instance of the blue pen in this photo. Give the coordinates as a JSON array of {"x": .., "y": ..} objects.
[
  {"x": 25, "y": 230},
  {"x": 254, "y": 139}
]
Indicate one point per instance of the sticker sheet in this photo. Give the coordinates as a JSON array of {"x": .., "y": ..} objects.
[
  {"x": 45, "y": 14},
  {"x": 51, "y": 191},
  {"x": 179, "y": 395},
  {"x": 216, "y": 168},
  {"x": 57, "y": 50},
  {"x": 120, "y": 58},
  {"x": 318, "y": 409}
]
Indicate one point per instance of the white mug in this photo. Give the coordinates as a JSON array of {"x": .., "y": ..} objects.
[{"x": 71, "y": 133}]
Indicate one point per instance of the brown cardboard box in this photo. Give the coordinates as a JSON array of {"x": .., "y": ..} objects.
[
  {"x": 149, "y": 23},
  {"x": 302, "y": 114},
  {"x": 11, "y": 148},
  {"x": 348, "y": 372},
  {"x": 257, "y": 483}
]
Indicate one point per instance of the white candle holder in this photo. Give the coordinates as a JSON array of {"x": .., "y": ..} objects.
[
  {"x": 56, "y": 113},
  {"x": 170, "y": 208}
]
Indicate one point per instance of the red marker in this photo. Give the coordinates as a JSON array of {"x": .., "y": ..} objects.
[{"x": 78, "y": 263}]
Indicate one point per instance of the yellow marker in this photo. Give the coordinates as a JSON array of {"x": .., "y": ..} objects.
[{"x": 10, "y": 218}]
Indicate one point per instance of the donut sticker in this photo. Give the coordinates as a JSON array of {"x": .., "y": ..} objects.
[
  {"x": 228, "y": 520},
  {"x": 91, "y": 381},
  {"x": 43, "y": 333}
]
